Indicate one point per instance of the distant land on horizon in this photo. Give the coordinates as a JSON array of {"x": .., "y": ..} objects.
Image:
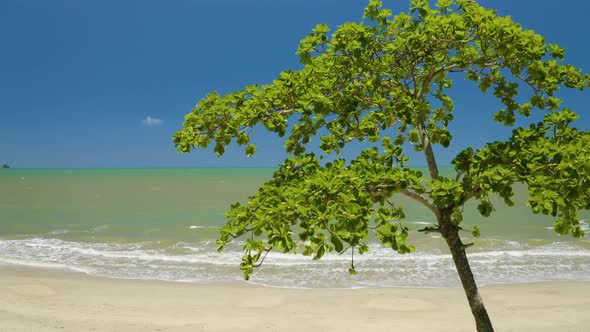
[{"x": 177, "y": 167}]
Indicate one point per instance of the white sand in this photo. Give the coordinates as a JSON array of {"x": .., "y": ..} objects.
[{"x": 37, "y": 300}]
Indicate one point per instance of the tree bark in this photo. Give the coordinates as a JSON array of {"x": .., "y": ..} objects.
[
  {"x": 428, "y": 152},
  {"x": 450, "y": 233}
]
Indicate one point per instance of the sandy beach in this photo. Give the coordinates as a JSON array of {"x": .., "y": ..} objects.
[{"x": 39, "y": 300}]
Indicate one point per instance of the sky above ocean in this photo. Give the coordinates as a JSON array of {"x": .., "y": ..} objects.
[{"x": 107, "y": 83}]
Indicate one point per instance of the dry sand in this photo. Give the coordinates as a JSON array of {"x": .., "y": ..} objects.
[{"x": 38, "y": 300}]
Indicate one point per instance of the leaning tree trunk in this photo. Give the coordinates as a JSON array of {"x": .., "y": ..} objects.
[{"x": 450, "y": 233}]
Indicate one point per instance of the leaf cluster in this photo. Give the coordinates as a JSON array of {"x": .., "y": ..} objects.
[
  {"x": 551, "y": 157},
  {"x": 317, "y": 209},
  {"x": 385, "y": 81}
]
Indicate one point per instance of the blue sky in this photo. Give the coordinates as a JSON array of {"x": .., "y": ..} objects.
[{"x": 107, "y": 83}]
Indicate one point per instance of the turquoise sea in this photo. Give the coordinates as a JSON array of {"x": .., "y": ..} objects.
[{"x": 162, "y": 224}]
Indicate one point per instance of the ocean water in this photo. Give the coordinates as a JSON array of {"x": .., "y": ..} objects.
[{"x": 162, "y": 224}]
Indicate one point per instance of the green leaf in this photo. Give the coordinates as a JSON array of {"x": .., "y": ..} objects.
[
  {"x": 243, "y": 138},
  {"x": 444, "y": 3},
  {"x": 337, "y": 243},
  {"x": 250, "y": 150},
  {"x": 320, "y": 252},
  {"x": 475, "y": 232},
  {"x": 485, "y": 208}
]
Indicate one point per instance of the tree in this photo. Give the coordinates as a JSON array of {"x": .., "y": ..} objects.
[
  {"x": 385, "y": 81},
  {"x": 5, "y": 166}
]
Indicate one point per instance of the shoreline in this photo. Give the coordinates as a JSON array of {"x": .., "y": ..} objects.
[
  {"x": 66, "y": 271},
  {"x": 46, "y": 300}
]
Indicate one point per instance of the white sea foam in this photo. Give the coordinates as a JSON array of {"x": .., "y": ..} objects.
[
  {"x": 200, "y": 227},
  {"x": 99, "y": 229},
  {"x": 58, "y": 232},
  {"x": 421, "y": 223},
  {"x": 508, "y": 262}
]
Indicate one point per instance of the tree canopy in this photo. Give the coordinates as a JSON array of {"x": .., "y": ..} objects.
[{"x": 386, "y": 81}]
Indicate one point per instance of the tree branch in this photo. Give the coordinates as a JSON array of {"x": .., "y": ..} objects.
[
  {"x": 430, "y": 229},
  {"x": 428, "y": 152},
  {"x": 420, "y": 200},
  {"x": 474, "y": 192},
  {"x": 266, "y": 251}
]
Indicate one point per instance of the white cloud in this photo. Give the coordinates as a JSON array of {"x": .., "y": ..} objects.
[{"x": 149, "y": 121}]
